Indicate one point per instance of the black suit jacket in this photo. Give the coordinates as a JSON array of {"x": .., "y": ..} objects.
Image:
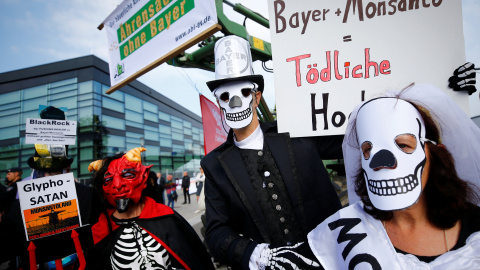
[
  {"x": 235, "y": 224},
  {"x": 186, "y": 181}
]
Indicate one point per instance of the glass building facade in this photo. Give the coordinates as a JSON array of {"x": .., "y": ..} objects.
[{"x": 133, "y": 116}]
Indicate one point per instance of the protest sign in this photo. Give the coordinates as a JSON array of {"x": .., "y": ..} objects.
[
  {"x": 142, "y": 34},
  {"x": 49, "y": 131},
  {"x": 49, "y": 205},
  {"x": 330, "y": 55}
]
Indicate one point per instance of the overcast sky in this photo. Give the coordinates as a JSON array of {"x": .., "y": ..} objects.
[{"x": 36, "y": 32}]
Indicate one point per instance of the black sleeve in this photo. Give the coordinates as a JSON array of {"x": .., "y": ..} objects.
[{"x": 226, "y": 245}]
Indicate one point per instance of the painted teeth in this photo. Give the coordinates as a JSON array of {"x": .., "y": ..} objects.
[
  {"x": 393, "y": 186},
  {"x": 239, "y": 116}
]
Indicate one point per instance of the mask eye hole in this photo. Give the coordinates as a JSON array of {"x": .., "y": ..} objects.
[
  {"x": 366, "y": 149},
  {"x": 246, "y": 92},
  {"x": 225, "y": 96},
  {"x": 107, "y": 179},
  {"x": 129, "y": 174},
  {"x": 406, "y": 142}
]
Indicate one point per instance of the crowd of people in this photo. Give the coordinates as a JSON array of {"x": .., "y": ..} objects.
[{"x": 413, "y": 175}]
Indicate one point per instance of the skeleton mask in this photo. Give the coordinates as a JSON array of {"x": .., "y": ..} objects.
[
  {"x": 125, "y": 180},
  {"x": 236, "y": 100},
  {"x": 390, "y": 134}
]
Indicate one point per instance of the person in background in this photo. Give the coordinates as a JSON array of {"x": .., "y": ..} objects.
[
  {"x": 134, "y": 231},
  {"x": 161, "y": 185},
  {"x": 13, "y": 175},
  {"x": 152, "y": 188},
  {"x": 411, "y": 158},
  {"x": 200, "y": 179},
  {"x": 186, "y": 187},
  {"x": 170, "y": 187}
]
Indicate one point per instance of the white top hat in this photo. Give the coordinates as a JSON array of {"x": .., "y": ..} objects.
[{"x": 233, "y": 62}]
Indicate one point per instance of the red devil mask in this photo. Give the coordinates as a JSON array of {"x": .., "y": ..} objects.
[{"x": 125, "y": 180}]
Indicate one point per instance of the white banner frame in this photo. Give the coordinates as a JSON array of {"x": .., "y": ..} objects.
[
  {"x": 143, "y": 34},
  {"x": 315, "y": 43}
]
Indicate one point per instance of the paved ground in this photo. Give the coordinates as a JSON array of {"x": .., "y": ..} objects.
[{"x": 188, "y": 211}]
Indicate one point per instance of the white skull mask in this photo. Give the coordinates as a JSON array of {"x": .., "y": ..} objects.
[
  {"x": 390, "y": 133},
  {"x": 236, "y": 100}
]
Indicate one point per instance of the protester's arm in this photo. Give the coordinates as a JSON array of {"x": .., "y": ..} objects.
[{"x": 226, "y": 245}]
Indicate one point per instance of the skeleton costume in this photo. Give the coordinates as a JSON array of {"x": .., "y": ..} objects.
[
  {"x": 158, "y": 238},
  {"x": 263, "y": 194},
  {"x": 353, "y": 239}
]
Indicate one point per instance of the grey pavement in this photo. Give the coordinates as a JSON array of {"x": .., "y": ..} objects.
[{"x": 187, "y": 211}]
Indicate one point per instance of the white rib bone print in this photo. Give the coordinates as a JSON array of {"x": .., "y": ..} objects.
[{"x": 136, "y": 249}]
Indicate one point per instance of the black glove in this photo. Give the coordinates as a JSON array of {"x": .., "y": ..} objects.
[
  {"x": 288, "y": 257},
  {"x": 463, "y": 78}
]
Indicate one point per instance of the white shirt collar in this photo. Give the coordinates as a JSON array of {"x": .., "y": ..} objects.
[{"x": 254, "y": 141}]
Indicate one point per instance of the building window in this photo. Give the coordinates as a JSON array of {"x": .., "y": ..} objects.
[
  {"x": 114, "y": 143},
  {"x": 133, "y": 116},
  {"x": 113, "y": 122},
  {"x": 188, "y": 145},
  {"x": 165, "y": 129},
  {"x": 33, "y": 104},
  {"x": 13, "y": 107},
  {"x": 151, "y": 135},
  {"x": 147, "y": 106},
  {"x": 133, "y": 137},
  {"x": 176, "y": 124},
  {"x": 113, "y": 105},
  {"x": 177, "y": 136},
  {"x": 150, "y": 116},
  {"x": 85, "y": 87},
  {"x": 71, "y": 89},
  {"x": 134, "y": 124},
  {"x": 69, "y": 103},
  {"x": 10, "y": 120},
  {"x": 30, "y": 114},
  {"x": 117, "y": 95},
  {"x": 164, "y": 142},
  {"x": 62, "y": 83},
  {"x": 11, "y": 97},
  {"x": 163, "y": 116},
  {"x": 37, "y": 91},
  {"x": 133, "y": 103},
  {"x": 61, "y": 95},
  {"x": 9, "y": 133}
]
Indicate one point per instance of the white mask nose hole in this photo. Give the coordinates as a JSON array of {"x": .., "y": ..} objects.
[
  {"x": 235, "y": 101},
  {"x": 383, "y": 159}
]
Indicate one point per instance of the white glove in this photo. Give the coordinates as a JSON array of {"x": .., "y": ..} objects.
[{"x": 283, "y": 258}]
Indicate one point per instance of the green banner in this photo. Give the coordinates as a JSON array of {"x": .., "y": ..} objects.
[
  {"x": 162, "y": 21},
  {"x": 140, "y": 18}
]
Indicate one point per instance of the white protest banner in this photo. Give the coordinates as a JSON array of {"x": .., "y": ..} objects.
[
  {"x": 143, "y": 34},
  {"x": 329, "y": 55},
  {"x": 49, "y": 131},
  {"x": 49, "y": 205}
]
